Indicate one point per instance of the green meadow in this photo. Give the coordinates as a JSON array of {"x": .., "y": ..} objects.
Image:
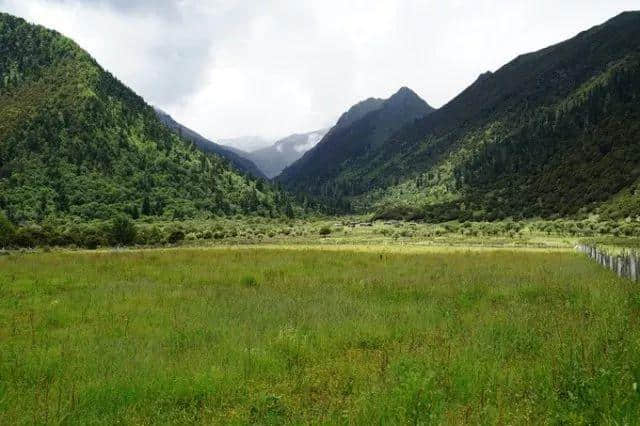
[{"x": 347, "y": 335}]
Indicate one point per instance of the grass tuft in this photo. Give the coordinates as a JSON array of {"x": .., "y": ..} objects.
[{"x": 249, "y": 281}]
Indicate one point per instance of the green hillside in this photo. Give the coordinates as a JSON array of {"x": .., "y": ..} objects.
[
  {"x": 324, "y": 171},
  {"x": 239, "y": 162},
  {"x": 77, "y": 143},
  {"x": 553, "y": 133}
]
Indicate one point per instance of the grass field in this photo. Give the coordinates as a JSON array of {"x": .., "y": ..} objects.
[{"x": 277, "y": 335}]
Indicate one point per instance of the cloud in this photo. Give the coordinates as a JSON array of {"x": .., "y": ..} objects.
[
  {"x": 160, "y": 7},
  {"x": 312, "y": 140},
  {"x": 228, "y": 68},
  {"x": 162, "y": 49}
]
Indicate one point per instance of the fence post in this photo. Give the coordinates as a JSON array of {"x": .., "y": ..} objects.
[{"x": 624, "y": 265}]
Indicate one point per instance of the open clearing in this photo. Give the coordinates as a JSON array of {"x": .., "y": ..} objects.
[{"x": 273, "y": 335}]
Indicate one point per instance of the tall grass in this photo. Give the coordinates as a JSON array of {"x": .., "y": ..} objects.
[{"x": 179, "y": 336}]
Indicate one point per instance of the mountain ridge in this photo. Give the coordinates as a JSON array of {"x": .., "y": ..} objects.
[
  {"x": 237, "y": 160},
  {"x": 473, "y": 148},
  {"x": 284, "y": 152},
  {"x": 363, "y": 127},
  {"x": 77, "y": 144}
]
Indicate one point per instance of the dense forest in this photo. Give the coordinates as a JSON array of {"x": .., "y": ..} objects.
[
  {"x": 76, "y": 144},
  {"x": 575, "y": 157}
]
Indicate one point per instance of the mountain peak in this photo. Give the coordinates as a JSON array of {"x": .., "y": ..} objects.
[
  {"x": 628, "y": 19},
  {"x": 405, "y": 91},
  {"x": 405, "y": 97},
  {"x": 626, "y": 15},
  {"x": 362, "y": 130},
  {"x": 358, "y": 111}
]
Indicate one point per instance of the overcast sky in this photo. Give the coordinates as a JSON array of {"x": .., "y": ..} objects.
[{"x": 273, "y": 67}]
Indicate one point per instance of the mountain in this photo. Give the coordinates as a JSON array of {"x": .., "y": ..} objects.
[
  {"x": 238, "y": 151},
  {"x": 237, "y": 160},
  {"x": 76, "y": 143},
  {"x": 552, "y": 133},
  {"x": 273, "y": 159},
  {"x": 358, "y": 111},
  {"x": 358, "y": 132}
]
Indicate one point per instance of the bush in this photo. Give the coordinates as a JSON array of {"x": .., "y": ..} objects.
[
  {"x": 91, "y": 237},
  {"x": 123, "y": 230},
  {"x": 402, "y": 212},
  {"x": 325, "y": 230},
  {"x": 91, "y": 242},
  {"x": 150, "y": 236},
  {"x": 175, "y": 237},
  {"x": 7, "y": 231},
  {"x": 30, "y": 236}
]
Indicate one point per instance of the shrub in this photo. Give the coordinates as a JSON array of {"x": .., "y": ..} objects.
[
  {"x": 91, "y": 242},
  {"x": 402, "y": 212},
  {"x": 123, "y": 230},
  {"x": 325, "y": 230},
  {"x": 175, "y": 236},
  {"x": 30, "y": 236},
  {"x": 7, "y": 231},
  {"x": 90, "y": 237},
  {"x": 151, "y": 236}
]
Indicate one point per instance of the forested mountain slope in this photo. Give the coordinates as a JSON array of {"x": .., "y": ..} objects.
[
  {"x": 359, "y": 132},
  {"x": 75, "y": 142},
  {"x": 237, "y": 160},
  {"x": 552, "y": 133}
]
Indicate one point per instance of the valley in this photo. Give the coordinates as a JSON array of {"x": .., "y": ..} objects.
[{"x": 408, "y": 264}]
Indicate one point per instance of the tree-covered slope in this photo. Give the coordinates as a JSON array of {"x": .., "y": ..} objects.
[
  {"x": 75, "y": 142},
  {"x": 238, "y": 161},
  {"x": 359, "y": 132},
  {"x": 552, "y": 133}
]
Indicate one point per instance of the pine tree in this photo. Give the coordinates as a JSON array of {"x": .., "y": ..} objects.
[{"x": 288, "y": 210}]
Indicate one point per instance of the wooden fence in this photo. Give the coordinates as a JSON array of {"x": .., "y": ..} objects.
[{"x": 625, "y": 265}]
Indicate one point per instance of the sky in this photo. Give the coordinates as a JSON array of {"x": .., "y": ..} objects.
[{"x": 271, "y": 68}]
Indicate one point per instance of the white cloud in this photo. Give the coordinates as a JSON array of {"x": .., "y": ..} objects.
[
  {"x": 274, "y": 67},
  {"x": 312, "y": 140}
]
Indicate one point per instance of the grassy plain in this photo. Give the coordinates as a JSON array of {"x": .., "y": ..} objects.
[
  {"x": 359, "y": 231},
  {"x": 333, "y": 334},
  {"x": 345, "y": 230}
]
